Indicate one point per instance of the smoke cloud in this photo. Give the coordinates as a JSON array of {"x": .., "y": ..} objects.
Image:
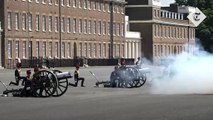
[{"x": 186, "y": 73}]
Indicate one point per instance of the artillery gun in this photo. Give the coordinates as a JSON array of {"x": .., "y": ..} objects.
[
  {"x": 45, "y": 83},
  {"x": 126, "y": 77}
]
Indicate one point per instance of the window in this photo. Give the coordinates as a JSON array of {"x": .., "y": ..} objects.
[
  {"x": 74, "y": 3},
  {"x": 89, "y": 4},
  {"x": 30, "y": 22},
  {"x": 69, "y": 50},
  {"x": 17, "y": 49},
  {"x": 63, "y": 50},
  {"x": 122, "y": 9},
  {"x": 94, "y": 5},
  {"x": 100, "y": 6},
  {"x": 37, "y": 49},
  {"x": 117, "y": 8},
  {"x": 56, "y": 24},
  {"x": 85, "y": 4},
  {"x": 114, "y": 29},
  {"x": 104, "y": 50},
  {"x": 56, "y": 2},
  {"x": 50, "y": 23},
  {"x": 24, "y": 21},
  {"x": 104, "y": 28},
  {"x": 50, "y": 49},
  {"x": 44, "y": 49},
  {"x": 104, "y": 7},
  {"x": 85, "y": 50},
  {"x": 43, "y": 1},
  {"x": 80, "y": 50},
  {"x": 80, "y": 26},
  {"x": 50, "y": 2},
  {"x": 56, "y": 49},
  {"x": 68, "y": 3},
  {"x": 37, "y": 22},
  {"x": 109, "y": 31},
  {"x": 74, "y": 25},
  {"x": 99, "y": 25},
  {"x": 100, "y": 50},
  {"x": 118, "y": 29},
  {"x": 16, "y": 21},
  {"x": 122, "y": 30},
  {"x": 80, "y": 4},
  {"x": 44, "y": 23},
  {"x": 90, "y": 50},
  {"x": 114, "y": 50},
  {"x": 24, "y": 49},
  {"x": 90, "y": 27},
  {"x": 95, "y": 50},
  {"x": 62, "y": 2},
  {"x": 63, "y": 24},
  {"x": 69, "y": 25},
  {"x": 9, "y": 48},
  {"x": 95, "y": 27},
  {"x": 85, "y": 26}
]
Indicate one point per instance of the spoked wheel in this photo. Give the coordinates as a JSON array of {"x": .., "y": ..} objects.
[
  {"x": 141, "y": 81},
  {"x": 44, "y": 84},
  {"x": 132, "y": 74},
  {"x": 62, "y": 85}
]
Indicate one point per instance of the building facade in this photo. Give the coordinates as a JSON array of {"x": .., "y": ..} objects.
[
  {"x": 64, "y": 29},
  {"x": 165, "y": 31},
  {"x": 133, "y": 42}
]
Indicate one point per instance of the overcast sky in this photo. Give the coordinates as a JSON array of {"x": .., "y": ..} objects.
[{"x": 167, "y": 2}]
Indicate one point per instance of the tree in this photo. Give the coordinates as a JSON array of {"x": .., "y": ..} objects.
[{"x": 205, "y": 30}]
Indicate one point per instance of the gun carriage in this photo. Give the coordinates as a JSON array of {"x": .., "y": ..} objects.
[
  {"x": 44, "y": 83},
  {"x": 126, "y": 77}
]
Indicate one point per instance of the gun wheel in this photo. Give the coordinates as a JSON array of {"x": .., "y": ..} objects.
[{"x": 62, "y": 85}]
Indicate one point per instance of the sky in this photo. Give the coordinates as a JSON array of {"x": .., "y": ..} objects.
[{"x": 167, "y": 2}]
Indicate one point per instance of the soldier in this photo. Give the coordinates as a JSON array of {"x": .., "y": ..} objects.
[
  {"x": 77, "y": 78},
  {"x": 27, "y": 84},
  {"x": 18, "y": 76}
]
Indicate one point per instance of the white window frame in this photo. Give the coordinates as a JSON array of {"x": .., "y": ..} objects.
[
  {"x": 50, "y": 23},
  {"x": 37, "y": 22},
  {"x": 44, "y": 25},
  {"x": 17, "y": 21}
]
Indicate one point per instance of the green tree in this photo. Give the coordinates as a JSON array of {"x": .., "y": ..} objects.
[{"x": 205, "y": 30}]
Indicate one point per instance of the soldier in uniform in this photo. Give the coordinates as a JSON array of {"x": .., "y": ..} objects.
[
  {"x": 77, "y": 78},
  {"x": 27, "y": 84},
  {"x": 18, "y": 76}
]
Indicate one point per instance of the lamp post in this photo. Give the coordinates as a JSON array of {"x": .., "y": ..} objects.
[
  {"x": 0, "y": 45},
  {"x": 60, "y": 31},
  {"x": 111, "y": 29}
]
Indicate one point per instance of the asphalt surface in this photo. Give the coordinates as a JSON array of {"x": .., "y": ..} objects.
[{"x": 92, "y": 103}]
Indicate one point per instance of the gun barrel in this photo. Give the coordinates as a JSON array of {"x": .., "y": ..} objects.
[{"x": 63, "y": 75}]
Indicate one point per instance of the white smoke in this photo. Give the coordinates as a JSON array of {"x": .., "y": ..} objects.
[{"x": 186, "y": 73}]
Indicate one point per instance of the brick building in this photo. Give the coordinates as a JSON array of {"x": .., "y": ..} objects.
[
  {"x": 165, "y": 30},
  {"x": 63, "y": 29}
]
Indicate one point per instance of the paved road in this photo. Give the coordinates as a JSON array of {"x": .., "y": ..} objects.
[{"x": 90, "y": 103}]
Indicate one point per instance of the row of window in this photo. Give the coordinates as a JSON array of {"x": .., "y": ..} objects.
[
  {"x": 67, "y": 24},
  {"x": 168, "y": 14},
  {"x": 85, "y": 4},
  {"x": 168, "y": 50},
  {"x": 173, "y": 31},
  {"x": 51, "y": 49}
]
